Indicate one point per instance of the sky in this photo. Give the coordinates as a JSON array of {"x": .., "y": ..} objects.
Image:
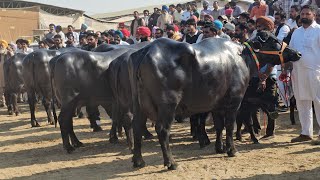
[{"x": 92, "y": 7}]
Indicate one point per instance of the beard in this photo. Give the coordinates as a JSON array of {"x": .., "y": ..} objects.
[
  {"x": 292, "y": 16},
  {"x": 239, "y": 36},
  {"x": 144, "y": 39},
  {"x": 169, "y": 34},
  {"x": 306, "y": 21}
]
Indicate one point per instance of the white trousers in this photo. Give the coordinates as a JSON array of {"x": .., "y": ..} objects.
[
  {"x": 283, "y": 93},
  {"x": 306, "y": 115}
]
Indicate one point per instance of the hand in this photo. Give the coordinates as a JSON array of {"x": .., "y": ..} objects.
[{"x": 283, "y": 76}]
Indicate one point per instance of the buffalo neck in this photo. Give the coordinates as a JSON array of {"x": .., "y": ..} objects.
[{"x": 251, "y": 61}]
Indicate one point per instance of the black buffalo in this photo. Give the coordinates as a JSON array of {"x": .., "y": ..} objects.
[
  {"x": 169, "y": 78},
  {"x": 36, "y": 76},
  {"x": 13, "y": 81},
  {"x": 79, "y": 78}
]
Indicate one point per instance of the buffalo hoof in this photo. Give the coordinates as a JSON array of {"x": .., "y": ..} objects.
[
  {"x": 77, "y": 144},
  {"x": 205, "y": 142},
  {"x": 194, "y": 138},
  {"x": 114, "y": 140},
  {"x": 255, "y": 141},
  {"x": 172, "y": 166},
  {"x": 80, "y": 115},
  {"x": 17, "y": 113},
  {"x": 97, "y": 129},
  {"x": 148, "y": 135},
  {"x": 70, "y": 149},
  {"x": 35, "y": 124},
  {"x": 138, "y": 162},
  {"x": 51, "y": 122},
  {"x": 232, "y": 153},
  {"x": 220, "y": 150},
  {"x": 238, "y": 137},
  {"x": 10, "y": 113}
]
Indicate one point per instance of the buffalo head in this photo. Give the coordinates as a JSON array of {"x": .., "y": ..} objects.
[{"x": 272, "y": 51}]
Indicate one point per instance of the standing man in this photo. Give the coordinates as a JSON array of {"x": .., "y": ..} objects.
[
  {"x": 173, "y": 32},
  {"x": 237, "y": 10},
  {"x": 188, "y": 13},
  {"x": 75, "y": 34},
  {"x": 205, "y": 10},
  {"x": 143, "y": 33},
  {"x": 283, "y": 29},
  {"x": 282, "y": 32},
  {"x": 3, "y": 57},
  {"x": 146, "y": 16},
  {"x": 158, "y": 33},
  {"x": 176, "y": 12},
  {"x": 58, "y": 43},
  {"x": 59, "y": 32},
  {"x": 260, "y": 9},
  {"x": 285, "y": 5},
  {"x": 92, "y": 40},
  {"x": 294, "y": 12},
  {"x": 218, "y": 25},
  {"x": 193, "y": 35},
  {"x": 209, "y": 31},
  {"x": 136, "y": 22},
  {"x": 306, "y": 72},
  {"x": 51, "y": 32},
  {"x": 216, "y": 11},
  {"x": 165, "y": 18},
  {"x": 152, "y": 19}
]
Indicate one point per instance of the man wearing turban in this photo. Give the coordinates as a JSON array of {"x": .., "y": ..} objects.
[
  {"x": 118, "y": 36},
  {"x": 3, "y": 57},
  {"x": 164, "y": 18},
  {"x": 144, "y": 33}
]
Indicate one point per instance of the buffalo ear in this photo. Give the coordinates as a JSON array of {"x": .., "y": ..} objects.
[{"x": 256, "y": 45}]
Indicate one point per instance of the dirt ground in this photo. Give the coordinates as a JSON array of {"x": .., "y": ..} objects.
[{"x": 36, "y": 153}]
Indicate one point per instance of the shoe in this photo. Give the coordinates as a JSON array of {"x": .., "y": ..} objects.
[
  {"x": 301, "y": 138},
  {"x": 267, "y": 137},
  {"x": 316, "y": 142}
]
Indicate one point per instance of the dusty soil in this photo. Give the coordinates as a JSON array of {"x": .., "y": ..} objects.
[{"x": 36, "y": 153}]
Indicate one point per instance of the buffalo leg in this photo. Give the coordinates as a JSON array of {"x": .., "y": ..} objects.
[
  {"x": 127, "y": 120},
  {"x": 146, "y": 134},
  {"x": 116, "y": 115},
  {"x": 239, "y": 121},
  {"x": 201, "y": 130},
  {"x": 14, "y": 97},
  {"x": 255, "y": 120},
  {"x": 7, "y": 97},
  {"x": 219, "y": 125},
  {"x": 32, "y": 104},
  {"x": 229, "y": 124},
  {"x": 47, "y": 105},
  {"x": 292, "y": 107},
  {"x": 137, "y": 125},
  {"x": 74, "y": 140},
  {"x": 163, "y": 126},
  {"x": 65, "y": 121},
  {"x": 193, "y": 126},
  {"x": 94, "y": 117},
  {"x": 249, "y": 124}
]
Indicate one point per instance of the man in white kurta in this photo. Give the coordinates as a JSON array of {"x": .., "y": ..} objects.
[{"x": 306, "y": 72}]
